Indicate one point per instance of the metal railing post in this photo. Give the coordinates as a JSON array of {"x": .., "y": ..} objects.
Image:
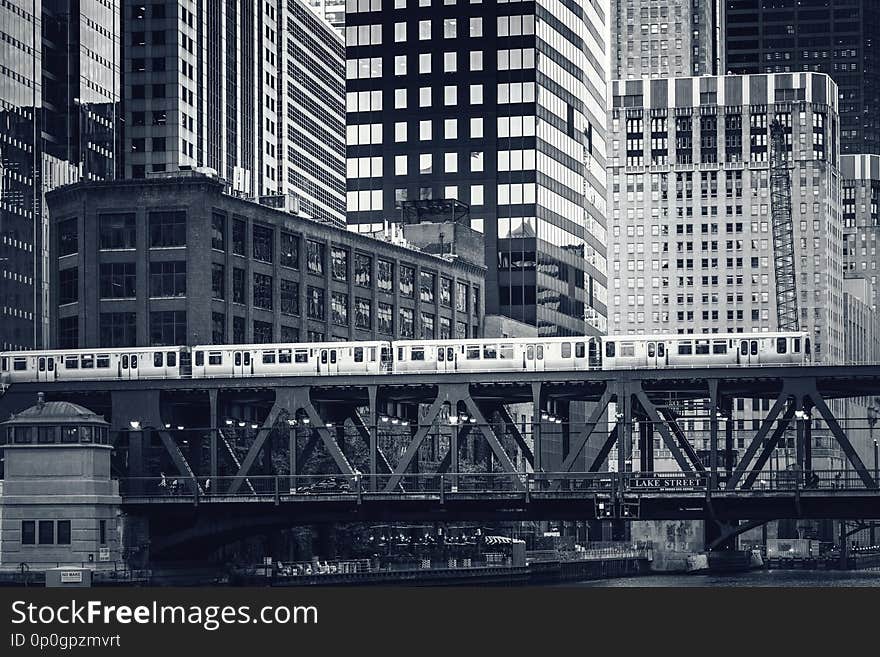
[
  {"x": 442, "y": 488},
  {"x": 277, "y": 491}
]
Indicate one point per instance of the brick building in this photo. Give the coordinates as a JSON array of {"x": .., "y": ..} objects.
[{"x": 178, "y": 261}]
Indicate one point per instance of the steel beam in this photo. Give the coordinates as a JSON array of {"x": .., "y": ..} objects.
[
  {"x": 753, "y": 447},
  {"x": 489, "y": 434},
  {"x": 580, "y": 442},
  {"x": 284, "y": 401},
  {"x": 685, "y": 445},
  {"x": 510, "y": 425},
  {"x": 446, "y": 394},
  {"x": 767, "y": 450},
  {"x": 654, "y": 415},
  {"x": 842, "y": 438},
  {"x": 604, "y": 451},
  {"x": 212, "y": 400}
]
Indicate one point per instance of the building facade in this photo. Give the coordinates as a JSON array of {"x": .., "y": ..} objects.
[
  {"x": 690, "y": 243},
  {"x": 666, "y": 38},
  {"x": 177, "y": 261},
  {"x": 861, "y": 217},
  {"x": 839, "y": 38},
  {"x": 332, "y": 11},
  {"x": 248, "y": 88},
  {"x": 500, "y": 107},
  {"x": 59, "y": 93}
]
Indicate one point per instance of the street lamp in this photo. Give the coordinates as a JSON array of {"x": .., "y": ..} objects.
[{"x": 136, "y": 425}]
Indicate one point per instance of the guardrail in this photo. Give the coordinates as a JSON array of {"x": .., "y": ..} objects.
[{"x": 463, "y": 484}]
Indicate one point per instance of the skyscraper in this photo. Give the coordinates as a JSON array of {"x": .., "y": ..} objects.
[
  {"x": 861, "y": 218},
  {"x": 690, "y": 244},
  {"x": 59, "y": 89},
  {"x": 497, "y": 110},
  {"x": 249, "y": 88},
  {"x": 666, "y": 38},
  {"x": 839, "y": 38}
]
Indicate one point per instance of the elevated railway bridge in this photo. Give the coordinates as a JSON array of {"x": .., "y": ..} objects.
[{"x": 210, "y": 457}]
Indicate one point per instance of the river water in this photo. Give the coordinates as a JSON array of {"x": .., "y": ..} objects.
[{"x": 782, "y": 578}]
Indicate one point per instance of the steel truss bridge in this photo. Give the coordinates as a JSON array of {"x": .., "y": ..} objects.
[{"x": 241, "y": 452}]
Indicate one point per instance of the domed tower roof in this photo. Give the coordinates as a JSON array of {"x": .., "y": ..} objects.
[{"x": 55, "y": 412}]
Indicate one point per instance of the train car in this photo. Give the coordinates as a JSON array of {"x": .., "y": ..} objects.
[
  {"x": 705, "y": 350},
  {"x": 93, "y": 364},
  {"x": 291, "y": 359},
  {"x": 496, "y": 354}
]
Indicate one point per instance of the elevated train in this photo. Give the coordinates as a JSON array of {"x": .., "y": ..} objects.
[{"x": 613, "y": 352}]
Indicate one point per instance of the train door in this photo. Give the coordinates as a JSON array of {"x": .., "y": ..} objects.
[
  {"x": 656, "y": 355},
  {"x": 539, "y": 358},
  {"x": 445, "y": 358},
  {"x": 386, "y": 358},
  {"x": 328, "y": 361},
  {"x": 242, "y": 364},
  {"x": 748, "y": 352},
  {"x": 46, "y": 368},
  {"x": 128, "y": 366}
]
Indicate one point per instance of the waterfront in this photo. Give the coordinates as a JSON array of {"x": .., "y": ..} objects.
[{"x": 763, "y": 578}]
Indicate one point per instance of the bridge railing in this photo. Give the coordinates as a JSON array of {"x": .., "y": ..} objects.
[{"x": 440, "y": 485}]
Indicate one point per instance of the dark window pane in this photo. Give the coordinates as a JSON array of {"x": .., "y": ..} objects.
[
  {"x": 118, "y": 330},
  {"x": 218, "y": 231},
  {"x": 28, "y": 532},
  {"x": 363, "y": 270},
  {"x": 47, "y": 532},
  {"x": 427, "y": 326},
  {"x": 168, "y": 228},
  {"x": 68, "y": 332},
  {"x": 262, "y": 332},
  {"x": 289, "y": 297},
  {"x": 315, "y": 298},
  {"x": 117, "y": 231},
  {"x": 385, "y": 318},
  {"x": 407, "y": 281},
  {"x": 363, "y": 313},
  {"x": 168, "y": 279},
  {"x": 385, "y": 275},
  {"x": 64, "y": 532},
  {"x": 168, "y": 328},
  {"x": 218, "y": 328},
  {"x": 239, "y": 232},
  {"x": 238, "y": 294},
  {"x": 289, "y": 250},
  {"x": 339, "y": 308},
  {"x": 315, "y": 256},
  {"x": 68, "y": 285},
  {"x": 339, "y": 261},
  {"x": 262, "y": 291},
  {"x": 427, "y": 283},
  {"x": 218, "y": 281},
  {"x": 68, "y": 240},
  {"x": 406, "y": 323},
  {"x": 238, "y": 333},
  {"x": 117, "y": 280},
  {"x": 263, "y": 247}
]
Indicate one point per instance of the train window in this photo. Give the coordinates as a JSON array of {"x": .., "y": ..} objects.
[
  {"x": 301, "y": 356},
  {"x": 71, "y": 362},
  {"x": 401, "y": 353},
  {"x": 530, "y": 352},
  {"x": 754, "y": 348},
  {"x": 42, "y": 364},
  {"x": 450, "y": 354},
  {"x": 268, "y": 358},
  {"x": 806, "y": 345},
  {"x": 594, "y": 355},
  {"x": 4, "y": 364},
  {"x": 685, "y": 348},
  {"x": 566, "y": 349},
  {"x": 171, "y": 358},
  {"x": 652, "y": 350},
  {"x": 473, "y": 352},
  {"x": 69, "y": 434},
  {"x": 609, "y": 350},
  {"x": 214, "y": 358},
  {"x": 200, "y": 358},
  {"x": 125, "y": 361},
  {"x": 19, "y": 364},
  {"x": 372, "y": 354},
  {"x": 744, "y": 348},
  {"x": 51, "y": 362},
  {"x": 796, "y": 344},
  {"x": 661, "y": 349},
  {"x": 580, "y": 350},
  {"x": 627, "y": 349},
  {"x": 134, "y": 361},
  {"x": 247, "y": 358},
  {"x": 719, "y": 347},
  {"x": 332, "y": 356},
  {"x": 781, "y": 345},
  {"x": 417, "y": 353},
  {"x": 358, "y": 354},
  {"x": 441, "y": 355},
  {"x": 385, "y": 354},
  {"x": 702, "y": 348},
  {"x": 490, "y": 351},
  {"x": 323, "y": 357},
  {"x": 103, "y": 361},
  {"x": 540, "y": 352},
  {"x": 88, "y": 362},
  {"x": 284, "y": 356},
  {"x": 157, "y": 359}
]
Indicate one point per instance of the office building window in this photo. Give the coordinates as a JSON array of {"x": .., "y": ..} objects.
[
  {"x": 262, "y": 291},
  {"x": 339, "y": 263},
  {"x": 117, "y": 231},
  {"x": 385, "y": 275},
  {"x": 68, "y": 239},
  {"x": 218, "y": 281},
  {"x": 68, "y": 285},
  {"x": 406, "y": 323},
  {"x": 63, "y": 532},
  {"x": 289, "y": 297},
  {"x": 262, "y": 332},
  {"x": 168, "y": 228},
  {"x": 238, "y": 330},
  {"x": 289, "y": 334},
  {"x": 339, "y": 308},
  {"x": 445, "y": 329},
  {"x": 461, "y": 296},
  {"x": 68, "y": 332},
  {"x": 168, "y": 328},
  {"x": 289, "y": 250},
  {"x": 168, "y": 279},
  {"x": 428, "y": 326},
  {"x": 407, "y": 281},
  {"x": 363, "y": 313},
  {"x": 427, "y": 281},
  {"x": 445, "y": 291},
  {"x": 28, "y": 532},
  {"x": 263, "y": 247},
  {"x": 239, "y": 235},
  {"x": 461, "y": 330},
  {"x": 218, "y": 328},
  {"x": 315, "y": 257},
  {"x": 238, "y": 294},
  {"x": 385, "y": 318},
  {"x": 118, "y": 330},
  {"x": 315, "y": 300},
  {"x": 47, "y": 532},
  {"x": 363, "y": 270},
  {"x": 218, "y": 231},
  {"x": 475, "y": 296},
  {"x": 117, "y": 280}
]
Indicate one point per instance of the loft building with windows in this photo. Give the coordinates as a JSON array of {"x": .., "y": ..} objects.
[
  {"x": 59, "y": 94},
  {"x": 840, "y": 38},
  {"x": 690, "y": 237},
  {"x": 251, "y": 89},
  {"x": 666, "y": 38},
  {"x": 178, "y": 261},
  {"x": 861, "y": 218},
  {"x": 499, "y": 108}
]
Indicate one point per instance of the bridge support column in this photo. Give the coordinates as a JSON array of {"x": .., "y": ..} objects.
[
  {"x": 713, "y": 434},
  {"x": 212, "y": 467},
  {"x": 536, "y": 427}
]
